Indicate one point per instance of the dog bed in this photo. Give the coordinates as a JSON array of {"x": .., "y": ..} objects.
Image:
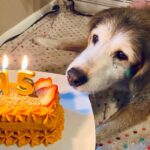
[{"x": 68, "y": 24}]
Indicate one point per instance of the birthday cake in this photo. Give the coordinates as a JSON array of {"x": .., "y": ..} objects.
[{"x": 35, "y": 119}]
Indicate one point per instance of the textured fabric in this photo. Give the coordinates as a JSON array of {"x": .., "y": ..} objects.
[
  {"x": 64, "y": 24},
  {"x": 67, "y": 24}
]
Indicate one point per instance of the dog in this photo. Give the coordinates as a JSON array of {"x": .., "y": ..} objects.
[{"x": 116, "y": 54}]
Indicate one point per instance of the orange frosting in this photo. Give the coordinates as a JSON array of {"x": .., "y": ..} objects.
[{"x": 24, "y": 120}]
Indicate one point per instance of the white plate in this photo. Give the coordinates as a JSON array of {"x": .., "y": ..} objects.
[{"x": 79, "y": 132}]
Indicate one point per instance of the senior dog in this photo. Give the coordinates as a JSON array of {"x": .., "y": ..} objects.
[{"x": 116, "y": 53}]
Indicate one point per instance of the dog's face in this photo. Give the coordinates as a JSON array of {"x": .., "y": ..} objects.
[{"x": 114, "y": 52}]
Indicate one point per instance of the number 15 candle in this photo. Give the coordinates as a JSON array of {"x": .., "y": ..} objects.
[
  {"x": 24, "y": 81},
  {"x": 4, "y": 82}
]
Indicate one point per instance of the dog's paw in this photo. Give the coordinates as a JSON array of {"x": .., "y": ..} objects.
[
  {"x": 100, "y": 133},
  {"x": 45, "y": 42},
  {"x": 103, "y": 132}
]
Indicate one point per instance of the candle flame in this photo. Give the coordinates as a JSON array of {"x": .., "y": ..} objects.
[
  {"x": 24, "y": 62},
  {"x": 5, "y": 62}
]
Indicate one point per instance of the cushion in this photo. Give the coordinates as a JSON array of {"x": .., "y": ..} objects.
[{"x": 92, "y": 7}]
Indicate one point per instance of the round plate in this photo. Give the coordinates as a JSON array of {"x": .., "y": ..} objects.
[{"x": 79, "y": 132}]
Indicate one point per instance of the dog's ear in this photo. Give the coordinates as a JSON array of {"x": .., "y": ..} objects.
[
  {"x": 142, "y": 74},
  {"x": 140, "y": 79}
]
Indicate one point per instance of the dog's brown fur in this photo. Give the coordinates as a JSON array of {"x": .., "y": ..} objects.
[{"x": 137, "y": 23}]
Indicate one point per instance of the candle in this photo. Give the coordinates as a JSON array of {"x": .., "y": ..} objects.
[
  {"x": 24, "y": 81},
  {"x": 4, "y": 82}
]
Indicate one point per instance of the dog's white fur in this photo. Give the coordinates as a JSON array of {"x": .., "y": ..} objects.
[{"x": 98, "y": 61}]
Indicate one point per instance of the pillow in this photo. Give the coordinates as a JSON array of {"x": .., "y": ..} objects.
[{"x": 91, "y": 7}]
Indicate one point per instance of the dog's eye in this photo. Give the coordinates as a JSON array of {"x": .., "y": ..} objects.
[
  {"x": 95, "y": 39},
  {"x": 121, "y": 56}
]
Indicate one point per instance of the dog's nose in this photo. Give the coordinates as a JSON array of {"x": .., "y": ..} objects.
[{"x": 76, "y": 77}]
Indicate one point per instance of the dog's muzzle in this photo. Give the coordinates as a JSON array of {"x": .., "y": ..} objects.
[{"x": 76, "y": 77}]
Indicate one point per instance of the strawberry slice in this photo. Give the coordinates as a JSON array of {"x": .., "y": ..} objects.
[
  {"x": 47, "y": 94},
  {"x": 42, "y": 82},
  {"x": 43, "y": 91}
]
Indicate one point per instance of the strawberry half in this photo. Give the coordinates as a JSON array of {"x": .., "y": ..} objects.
[
  {"x": 42, "y": 82},
  {"x": 47, "y": 94}
]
